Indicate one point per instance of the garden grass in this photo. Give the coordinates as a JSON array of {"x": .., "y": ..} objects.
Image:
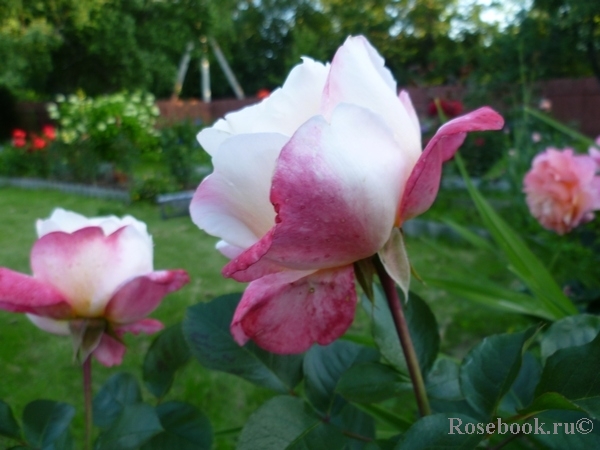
[{"x": 35, "y": 364}]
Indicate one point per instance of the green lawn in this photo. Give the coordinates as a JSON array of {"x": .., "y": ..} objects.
[{"x": 36, "y": 365}]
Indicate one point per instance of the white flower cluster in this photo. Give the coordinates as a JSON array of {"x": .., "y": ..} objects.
[{"x": 80, "y": 117}]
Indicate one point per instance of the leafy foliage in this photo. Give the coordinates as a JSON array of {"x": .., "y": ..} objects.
[{"x": 105, "y": 46}]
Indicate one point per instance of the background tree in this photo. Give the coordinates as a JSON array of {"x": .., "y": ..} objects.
[
  {"x": 99, "y": 46},
  {"x": 573, "y": 28}
]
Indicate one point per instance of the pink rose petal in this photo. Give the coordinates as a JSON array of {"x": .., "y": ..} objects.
[
  {"x": 109, "y": 352},
  {"x": 335, "y": 190},
  {"x": 24, "y": 294},
  {"x": 142, "y": 295},
  {"x": 288, "y": 312},
  {"x": 146, "y": 326},
  {"x": 424, "y": 182},
  {"x": 86, "y": 266}
]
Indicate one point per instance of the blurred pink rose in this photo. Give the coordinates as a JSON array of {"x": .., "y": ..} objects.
[
  {"x": 317, "y": 176},
  {"x": 594, "y": 152},
  {"x": 545, "y": 104},
  {"x": 92, "y": 279},
  {"x": 562, "y": 189}
]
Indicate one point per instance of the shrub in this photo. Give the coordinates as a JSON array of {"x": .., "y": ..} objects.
[
  {"x": 110, "y": 129},
  {"x": 182, "y": 154}
]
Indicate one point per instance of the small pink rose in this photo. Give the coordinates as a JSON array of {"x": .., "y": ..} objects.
[
  {"x": 562, "y": 189},
  {"x": 91, "y": 276},
  {"x": 545, "y": 104}
]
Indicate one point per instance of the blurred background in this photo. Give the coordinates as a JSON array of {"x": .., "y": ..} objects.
[{"x": 484, "y": 49}]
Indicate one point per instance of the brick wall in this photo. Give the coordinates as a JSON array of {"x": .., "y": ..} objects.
[
  {"x": 575, "y": 101},
  {"x": 195, "y": 110}
]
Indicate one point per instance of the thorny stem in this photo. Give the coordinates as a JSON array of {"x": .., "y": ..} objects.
[{"x": 412, "y": 362}]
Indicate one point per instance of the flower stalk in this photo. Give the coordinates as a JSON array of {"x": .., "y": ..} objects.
[
  {"x": 87, "y": 399},
  {"x": 412, "y": 362}
]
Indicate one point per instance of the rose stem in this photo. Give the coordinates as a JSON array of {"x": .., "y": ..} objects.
[
  {"x": 395, "y": 305},
  {"x": 87, "y": 397}
]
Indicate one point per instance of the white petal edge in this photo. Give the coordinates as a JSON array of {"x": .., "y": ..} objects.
[
  {"x": 282, "y": 112},
  {"x": 59, "y": 327},
  {"x": 358, "y": 76},
  {"x": 233, "y": 202},
  {"x": 69, "y": 221},
  {"x": 228, "y": 250}
]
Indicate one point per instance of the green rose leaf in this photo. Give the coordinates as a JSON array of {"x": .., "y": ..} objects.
[
  {"x": 560, "y": 430},
  {"x": 287, "y": 422},
  {"x": 383, "y": 444},
  {"x": 549, "y": 401},
  {"x": 442, "y": 381},
  {"x": 439, "y": 431},
  {"x": 119, "y": 391},
  {"x": 185, "y": 428},
  {"x": 443, "y": 388},
  {"x": 8, "y": 424},
  {"x": 167, "y": 354},
  {"x": 358, "y": 426},
  {"x": 206, "y": 329},
  {"x": 490, "y": 369},
  {"x": 569, "y": 332},
  {"x": 134, "y": 426},
  {"x": 522, "y": 391},
  {"x": 574, "y": 373},
  {"x": 421, "y": 324},
  {"x": 46, "y": 424},
  {"x": 324, "y": 366},
  {"x": 371, "y": 382},
  {"x": 390, "y": 420}
]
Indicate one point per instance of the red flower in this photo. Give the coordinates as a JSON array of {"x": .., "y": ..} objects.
[
  {"x": 18, "y": 133},
  {"x": 49, "y": 132},
  {"x": 451, "y": 108},
  {"x": 262, "y": 93},
  {"x": 38, "y": 143},
  {"x": 19, "y": 136}
]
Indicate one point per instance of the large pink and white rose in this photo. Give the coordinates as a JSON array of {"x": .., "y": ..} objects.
[
  {"x": 91, "y": 277},
  {"x": 319, "y": 175},
  {"x": 562, "y": 189}
]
